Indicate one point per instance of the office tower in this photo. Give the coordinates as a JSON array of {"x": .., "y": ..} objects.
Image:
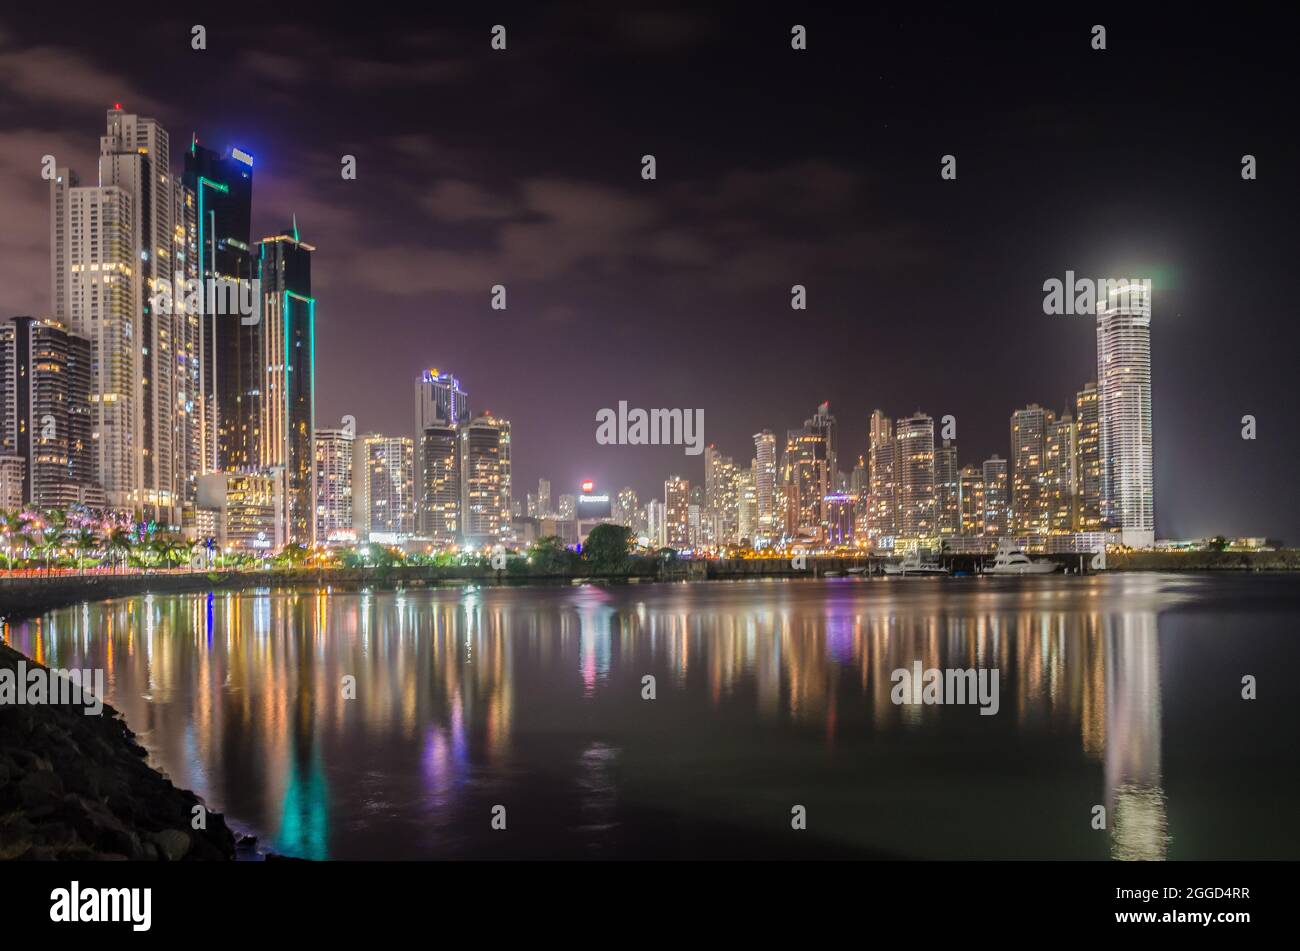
[
  {"x": 530, "y": 507},
  {"x": 970, "y": 486},
  {"x": 45, "y": 412},
  {"x": 1029, "y": 492},
  {"x": 677, "y": 517},
  {"x": 627, "y": 509},
  {"x": 485, "y": 481},
  {"x": 334, "y": 456},
  {"x": 1060, "y": 475},
  {"x": 765, "y": 482},
  {"x": 720, "y": 497},
  {"x": 442, "y": 404},
  {"x": 747, "y": 504},
  {"x": 226, "y": 351},
  {"x": 997, "y": 504},
  {"x": 947, "y": 490},
  {"x": 440, "y": 491},
  {"x": 383, "y": 488},
  {"x": 544, "y": 498},
  {"x": 287, "y": 415},
  {"x": 110, "y": 246},
  {"x": 568, "y": 505},
  {"x": 914, "y": 455},
  {"x": 882, "y": 505},
  {"x": 1088, "y": 459},
  {"x": 1124, "y": 413}
]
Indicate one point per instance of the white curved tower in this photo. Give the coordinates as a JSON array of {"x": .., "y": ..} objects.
[{"x": 1124, "y": 411}]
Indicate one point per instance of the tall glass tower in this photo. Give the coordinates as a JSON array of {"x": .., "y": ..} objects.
[{"x": 1124, "y": 412}]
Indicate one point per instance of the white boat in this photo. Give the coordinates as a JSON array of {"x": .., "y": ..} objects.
[
  {"x": 913, "y": 567},
  {"x": 1013, "y": 561}
]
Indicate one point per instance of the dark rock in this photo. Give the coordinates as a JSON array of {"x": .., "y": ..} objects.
[{"x": 172, "y": 843}]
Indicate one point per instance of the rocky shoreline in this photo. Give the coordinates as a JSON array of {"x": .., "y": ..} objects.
[{"x": 77, "y": 787}]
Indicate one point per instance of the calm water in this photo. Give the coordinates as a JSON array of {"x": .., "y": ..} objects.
[{"x": 1120, "y": 690}]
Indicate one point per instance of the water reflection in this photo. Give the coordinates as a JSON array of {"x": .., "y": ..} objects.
[{"x": 465, "y": 698}]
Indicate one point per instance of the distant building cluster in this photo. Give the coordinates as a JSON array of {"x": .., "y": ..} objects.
[{"x": 1072, "y": 481}]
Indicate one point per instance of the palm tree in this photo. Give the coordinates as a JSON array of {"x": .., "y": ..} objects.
[
  {"x": 85, "y": 542},
  {"x": 54, "y": 535},
  {"x": 13, "y": 526},
  {"x": 119, "y": 541},
  {"x": 172, "y": 549}
]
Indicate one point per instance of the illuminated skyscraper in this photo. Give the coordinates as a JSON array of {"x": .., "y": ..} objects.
[
  {"x": 1029, "y": 493},
  {"x": 1060, "y": 475},
  {"x": 334, "y": 457},
  {"x": 485, "y": 480},
  {"x": 440, "y": 475},
  {"x": 627, "y": 508},
  {"x": 383, "y": 488},
  {"x": 997, "y": 505},
  {"x": 720, "y": 498},
  {"x": 45, "y": 413},
  {"x": 110, "y": 246},
  {"x": 224, "y": 354},
  {"x": 1124, "y": 413},
  {"x": 914, "y": 442},
  {"x": 882, "y": 504},
  {"x": 287, "y": 394},
  {"x": 947, "y": 490},
  {"x": 677, "y": 524},
  {"x": 441, "y": 404},
  {"x": 765, "y": 479},
  {"x": 1088, "y": 459},
  {"x": 970, "y": 483}
]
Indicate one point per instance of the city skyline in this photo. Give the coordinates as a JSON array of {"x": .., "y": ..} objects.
[{"x": 581, "y": 316}]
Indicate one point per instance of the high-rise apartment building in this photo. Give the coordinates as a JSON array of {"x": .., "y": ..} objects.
[
  {"x": 677, "y": 519},
  {"x": 383, "y": 488},
  {"x": 334, "y": 457},
  {"x": 1029, "y": 492},
  {"x": 440, "y": 474},
  {"x": 1088, "y": 458},
  {"x": 997, "y": 503},
  {"x": 1124, "y": 413},
  {"x": 720, "y": 499},
  {"x": 768, "y": 527},
  {"x": 970, "y": 485},
  {"x": 45, "y": 412},
  {"x": 882, "y": 504},
  {"x": 947, "y": 490},
  {"x": 111, "y": 244},
  {"x": 1060, "y": 475},
  {"x": 485, "y": 480},
  {"x": 914, "y": 452}
]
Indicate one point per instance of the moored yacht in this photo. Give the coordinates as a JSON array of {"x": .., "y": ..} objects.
[
  {"x": 913, "y": 567},
  {"x": 1012, "y": 561}
]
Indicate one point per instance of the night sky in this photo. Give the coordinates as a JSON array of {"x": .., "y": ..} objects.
[{"x": 775, "y": 167}]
